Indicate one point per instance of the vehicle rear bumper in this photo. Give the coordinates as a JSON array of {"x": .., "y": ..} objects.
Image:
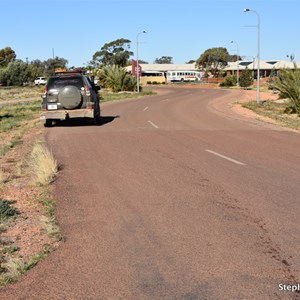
[{"x": 66, "y": 114}]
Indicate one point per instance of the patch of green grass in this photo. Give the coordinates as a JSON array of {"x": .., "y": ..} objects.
[
  {"x": 13, "y": 116},
  {"x": 49, "y": 221},
  {"x": 36, "y": 258},
  {"x": 15, "y": 121},
  {"x": 16, "y": 140},
  {"x": 47, "y": 203},
  {"x": 109, "y": 96},
  {"x": 7, "y": 210},
  {"x": 12, "y": 268},
  {"x": 16, "y": 93},
  {"x": 9, "y": 249},
  {"x": 275, "y": 111}
]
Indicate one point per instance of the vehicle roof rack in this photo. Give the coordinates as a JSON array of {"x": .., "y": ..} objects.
[{"x": 70, "y": 72}]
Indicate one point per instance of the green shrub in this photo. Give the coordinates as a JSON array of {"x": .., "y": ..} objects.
[
  {"x": 246, "y": 78},
  {"x": 15, "y": 74},
  {"x": 7, "y": 210},
  {"x": 230, "y": 80},
  {"x": 288, "y": 85},
  {"x": 117, "y": 79}
]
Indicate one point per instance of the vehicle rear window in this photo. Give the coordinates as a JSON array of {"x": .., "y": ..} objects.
[{"x": 61, "y": 82}]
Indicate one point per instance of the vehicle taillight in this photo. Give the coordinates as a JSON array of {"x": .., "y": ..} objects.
[
  {"x": 87, "y": 91},
  {"x": 89, "y": 105}
]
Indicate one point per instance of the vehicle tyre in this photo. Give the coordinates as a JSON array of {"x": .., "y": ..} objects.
[
  {"x": 70, "y": 97},
  {"x": 48, "y": 123},
  {"x": 97, "y": 116},
  {"x": 97, "y": 120}
]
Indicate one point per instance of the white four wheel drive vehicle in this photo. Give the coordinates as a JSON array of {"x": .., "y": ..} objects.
[{"x": 40, "y": 81}]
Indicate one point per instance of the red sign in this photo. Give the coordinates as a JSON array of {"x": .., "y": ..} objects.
[{"x": 136, "y": 69}]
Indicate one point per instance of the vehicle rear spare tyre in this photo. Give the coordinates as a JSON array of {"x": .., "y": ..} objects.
[{"x": 70, "y": 97}]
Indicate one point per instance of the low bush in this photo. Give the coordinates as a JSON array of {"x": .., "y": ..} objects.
[
  {"x": 288, "y": 85},
  {"x": 229, "y": 81},
  {"x": 116, "y": 79},
  {"x": 7, "y": 210}
]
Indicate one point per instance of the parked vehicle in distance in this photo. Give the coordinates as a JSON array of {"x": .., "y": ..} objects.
[
  {"x": 70, "y": 95},
  {"x": 40, "y": 81},
  {"x": 152, "y": 77},
  {"x": 173, "y": 76}
]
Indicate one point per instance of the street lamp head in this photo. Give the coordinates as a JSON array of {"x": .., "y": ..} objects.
[
  {"x": 246, "y": 9},
  {"x": 144, "y": 31}
]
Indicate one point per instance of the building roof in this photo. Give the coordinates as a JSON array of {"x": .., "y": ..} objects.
[
  {"x": 250, "y": 64},
  {"x": 263, "y": 65}
]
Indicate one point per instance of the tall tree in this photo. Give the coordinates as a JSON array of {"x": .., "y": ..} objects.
[
  {"x": 38, "y": 67},
  {"x": 114, "y": 53},
  {"x": 7, "y": 55},
  {"x": 164, "y": 60},
  {"x": 213, "y": 60},
  {"x": 234, "y": 58},
  {"x": 54, "y": 64}
]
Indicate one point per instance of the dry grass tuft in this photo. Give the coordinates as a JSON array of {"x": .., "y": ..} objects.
[
  {"x": 14, "y": 268},
  {"x": 51, "y": 227},
  {"x": 2, "y": 178},
  {"x": 44, "y": 165}
]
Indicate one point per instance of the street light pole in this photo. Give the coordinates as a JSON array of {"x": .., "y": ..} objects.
[
  {"x": 137, "y": 62},
  {"x": 238, "y": 67},
  {"x": 258, "y": 54}
]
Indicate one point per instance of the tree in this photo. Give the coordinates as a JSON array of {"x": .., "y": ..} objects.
[
  {"x": 6, "y": 56},
  {"x": 15, "y": 74},
  {"x": 213, "y": 60},
  {"x": 113, "y": 53},
  {"x": 234, "y": 58},
  {"x": 164, "y": 60},
  {"x": 246, "y": 78},
  {"x": 50, "y": 65},
  {"x": 191, "y": 61},
  {"x": 38, "y": 67},
  {"x": 143, "y": 62}
]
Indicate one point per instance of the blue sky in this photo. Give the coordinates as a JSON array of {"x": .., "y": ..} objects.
[{"x": 182, "y": 29}]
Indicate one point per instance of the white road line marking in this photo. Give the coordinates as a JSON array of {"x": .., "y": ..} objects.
[
  {"x": 152, "y": 124},
  {"x": 146, "y": 108},
  {"x": 164, "y": 100},
  {"x": 226, "y": 157}
]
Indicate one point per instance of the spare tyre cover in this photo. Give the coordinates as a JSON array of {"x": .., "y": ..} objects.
[{"x": 70, "y": 97}]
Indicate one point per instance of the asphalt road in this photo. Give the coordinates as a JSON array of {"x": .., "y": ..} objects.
[{"x": 172, "y": 197}]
